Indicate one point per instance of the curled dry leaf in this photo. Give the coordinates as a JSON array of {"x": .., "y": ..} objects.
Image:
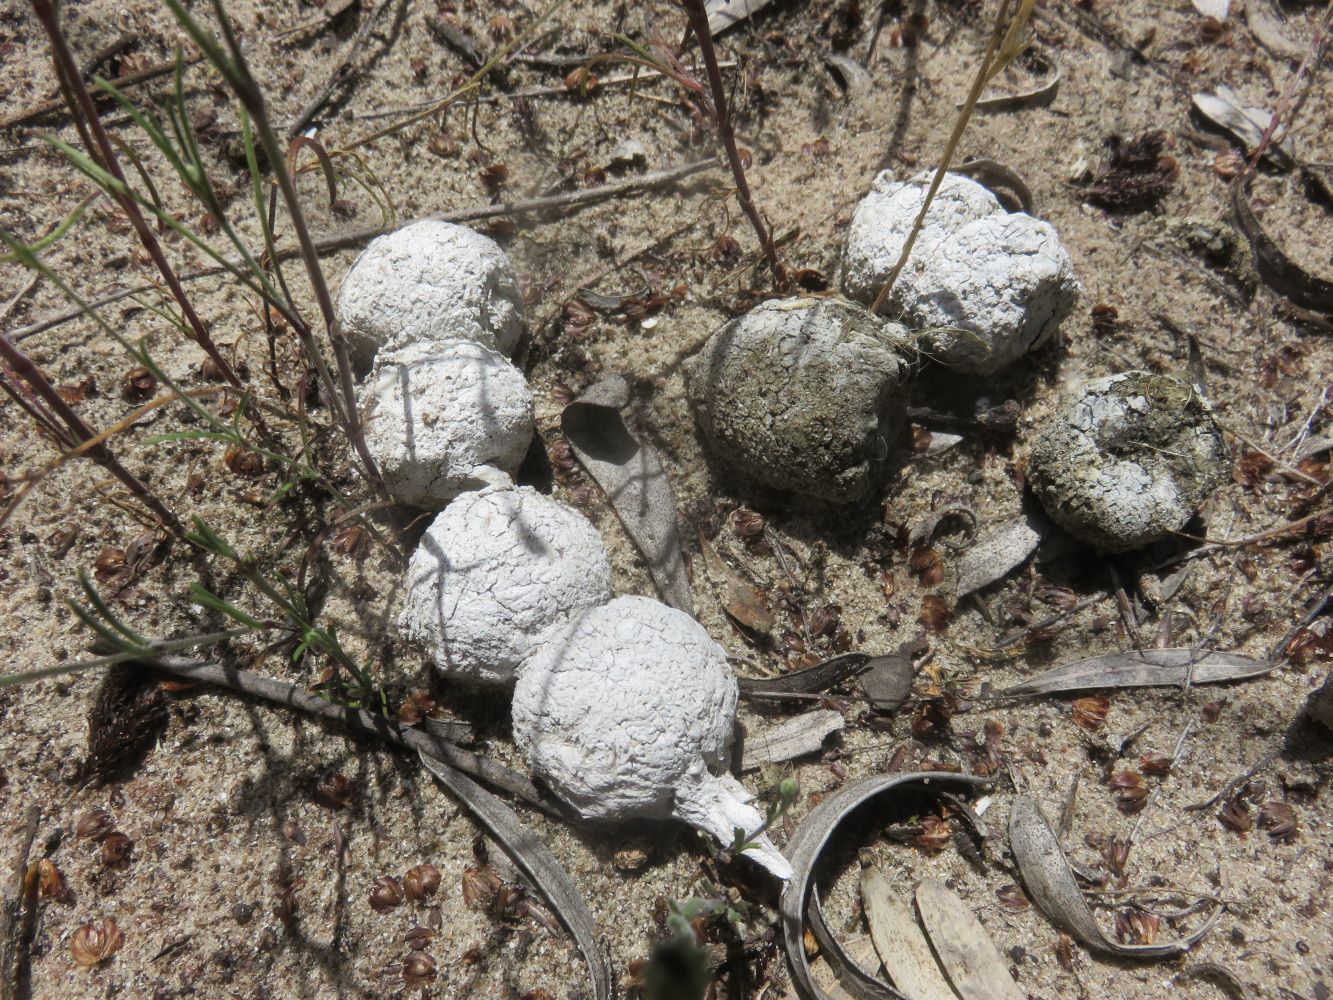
[
  {"x": 799, "y": 903},
  {"x": 1278, "y": 271},
  {"x": 95, "y": 942},
  {"x": 1143, "y": 668},
  {"x": 1043, "y": 93},
  {"x": 635, "y": 484},
  {"x": 1051, "y": 886}
]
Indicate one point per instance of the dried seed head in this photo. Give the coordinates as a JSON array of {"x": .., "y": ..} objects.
[
  {"x": 928, "y": 566},
  {"x": 138, "y": 384},
  {"x": 418, "y": 938},
  {"x": 94, "y": 943},
  {"x": 415, "y": 707},
  {"x": 109, "y": 565},
  {"x": 1131, "y": 791},
  {"x": 935, "y": 613},
  {"x": 1235, "y": 815},
  {"x": 1064, "y": 952},
  {"x": 243, "y": 461},
  {"x": 94, "y": 825},
  {"x": 481, "y": 886},
  {"x": 935, "y": 834},
  {"x": 1090, "y": 713},
  {"x": 1279, "y": 819},
  {"x": 334, "y": 792},
  {"x": 385, "y": 894},
  {"x": 1212, "y": 711},
  {"x": 116, "y": 848},
  {"x": 418, "y": 969},
  {"x": 421, "y": 882},
  {"x": 1012, "y": 898},
  {"x": 51, "y": 884},
  {"x": 352, "y": 539},
  {"x": 1155, "y": 763}
]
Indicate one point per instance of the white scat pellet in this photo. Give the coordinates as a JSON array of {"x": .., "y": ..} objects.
[
  {"x": 1004, "y": 282},
  {"x": 430, "y": 281},
  {"x": 885, "y": 216},
  {"x": 1000, "y": 280},
  {"x": 496, "y": 571},
  {"x": 441, "y": 418},
  {"x": 627, "y": 712}
]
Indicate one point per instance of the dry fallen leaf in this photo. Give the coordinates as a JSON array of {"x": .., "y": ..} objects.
[
  {"x": 901, "y": 945},
  {"x": 975, "y": 966}
]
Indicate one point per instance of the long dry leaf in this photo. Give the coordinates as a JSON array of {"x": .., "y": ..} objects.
[
  {"x": 804, "y": 851},
  {"x": 811, "y": 680},
  {"x": 1143, "y": 668},
  {"x": 969, "y": 956},
  {"x": 792, "y": 738},
  {"x": 901, "y": 945},
  {"x": 536, "y": 861},
  {"x": 632, "y": 477},
  {"x": 1050, "y": 885}
]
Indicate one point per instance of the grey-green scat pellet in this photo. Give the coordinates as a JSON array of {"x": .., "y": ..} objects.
[
  {"x": 803, "y": 395},
  {"x": 1128, "y": 460}
]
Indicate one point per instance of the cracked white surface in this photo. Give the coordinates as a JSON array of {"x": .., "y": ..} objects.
[
  {"x": 495, "y": 571},
  {"x": 999, "y": 281},
  {"x": 430, "y": 281},
  {"x": 626, "y": 713},
  {"x": 441, "y": 418}
]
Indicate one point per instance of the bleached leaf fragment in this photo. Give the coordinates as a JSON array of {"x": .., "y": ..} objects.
[
  {"x": 901, "y": 945},
  {"x": 969, "y": 956}
]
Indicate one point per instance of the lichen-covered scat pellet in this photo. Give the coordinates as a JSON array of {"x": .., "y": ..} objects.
[
  {"x": 628, "y": 713},
  {"x": 495, "y": 572},
  {"x": 441, "y": 418},
  {"x": 1128, "y": 460},
  {"x": 429, "y": 282},
  {"x": 803, "y": 395}
]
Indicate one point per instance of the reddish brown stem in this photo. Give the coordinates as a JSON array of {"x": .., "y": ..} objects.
[
  {"x": 698, "y": 21},
  {"x": 22, "y": 366},
  {"x": 67, "y": 70}
]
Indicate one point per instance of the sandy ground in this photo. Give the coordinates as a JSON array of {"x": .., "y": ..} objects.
[{"x": 223, "y": 812}]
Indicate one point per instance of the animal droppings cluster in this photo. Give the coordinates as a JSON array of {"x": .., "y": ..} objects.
[
  {"x": 626, "y": 709},
  {"x": 982, "y": 286}
]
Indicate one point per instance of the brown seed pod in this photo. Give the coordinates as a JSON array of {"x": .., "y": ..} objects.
[
  {"x": 749, "y": 523},
  {"x": 935, "y": 613},
  {"x": 94, "y": 943},
  {"x": 94, "y": 825},
  {"x": 243, "y": 461},
  {"x": 1279, "y": 819},
  {"x": 1012, "y": 898},
  {"x": 51, "y": 883},
  {"x": 1090, "y": 713},
  {"x": 481, "y": 886},
  {"x": 138, "y": 384},
  {"x": 385, "y": 894},
  {"x": 334, "y": 792},
  {"x": 109, "y": 564},
  {"x": 935, "y": 834},
  {"x": 418, "y": 969},
  {"x": 421, "y": 882},
  {"x": 351, "y": 539},
  {"x": 418, "y": 938},
  {"x": 116, "y": 848}
]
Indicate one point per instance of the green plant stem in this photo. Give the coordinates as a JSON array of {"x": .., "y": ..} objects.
[
  {"x": 85, "y": 109},
  {"x": 24, "y": 368},
  {"x": 698, "y": 21}
]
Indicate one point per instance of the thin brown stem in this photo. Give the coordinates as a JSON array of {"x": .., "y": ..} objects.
[
  {"x": 36, "y": 379},
  {"x": 698, "y": 21},
  {"x": 84, "y": 108}
]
